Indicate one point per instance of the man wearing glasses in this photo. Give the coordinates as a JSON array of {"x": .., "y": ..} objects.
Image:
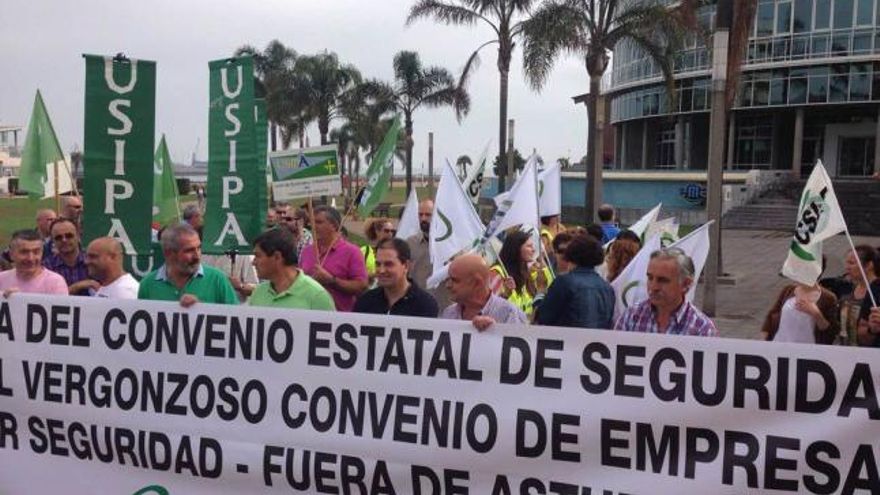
[
  {"x": 68, "y": 259},
  {"x": 295, "y": 221}
]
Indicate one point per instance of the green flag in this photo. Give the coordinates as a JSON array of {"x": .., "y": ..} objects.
[
  {"x": 166, "y": 208},
  {"x": 41, "y": 148},
  {"x": 120, "y": 119},
  {"x": 262, "y": 154},
  {"x": 233, "y": 212},
  {"x": 379, "y": 173}
]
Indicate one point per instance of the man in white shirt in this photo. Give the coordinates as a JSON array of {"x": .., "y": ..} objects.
[{"x": 104, "y": 262}]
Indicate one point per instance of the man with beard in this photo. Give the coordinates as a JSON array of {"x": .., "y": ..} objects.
[
  {"x": 183, "y": 277},
  {"x": 421, "y": 267}
]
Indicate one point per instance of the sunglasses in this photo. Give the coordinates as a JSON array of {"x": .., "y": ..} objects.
[{"x": 61, "y": 237}]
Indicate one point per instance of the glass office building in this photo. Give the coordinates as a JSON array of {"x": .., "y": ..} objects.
[{"x": 809, "y": 89}]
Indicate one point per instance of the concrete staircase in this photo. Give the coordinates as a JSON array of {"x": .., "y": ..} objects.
[{"x": 776, "y": 209}]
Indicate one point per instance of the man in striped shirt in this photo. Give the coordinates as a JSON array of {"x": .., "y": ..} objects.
[{"x": 667, "y": 310}]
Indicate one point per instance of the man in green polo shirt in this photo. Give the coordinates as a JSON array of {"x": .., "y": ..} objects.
[
  {"x": 183, "y": 277},
  {"x": 287, "y": 286}
]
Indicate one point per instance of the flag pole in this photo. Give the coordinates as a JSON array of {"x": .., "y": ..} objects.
[
  {"x": 861, "y": 268},
  {"x": 57, "y": 195}
]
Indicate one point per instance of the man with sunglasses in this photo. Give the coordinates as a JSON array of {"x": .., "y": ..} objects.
[
  {"x": 68, "y": 259},
  {"x": 294, "y": 221}
]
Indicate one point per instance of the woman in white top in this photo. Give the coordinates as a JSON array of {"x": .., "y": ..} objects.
[{"x": 803, "y": 314}]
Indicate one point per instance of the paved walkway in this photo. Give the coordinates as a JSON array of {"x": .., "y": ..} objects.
[{"x": 754, "y": 259}]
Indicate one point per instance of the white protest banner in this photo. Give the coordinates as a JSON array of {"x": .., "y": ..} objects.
[
  {"x": 305, "y": 172},
  {"x": 140, "y": 397}
]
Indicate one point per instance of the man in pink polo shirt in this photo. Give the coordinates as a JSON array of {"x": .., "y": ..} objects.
[
  {"x": 335, "y": 263},
  {"x": 28, "y": 274}
]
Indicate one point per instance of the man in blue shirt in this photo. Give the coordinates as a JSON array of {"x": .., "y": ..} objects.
[
  {"x": 609, "y": 227},
  {"x": 579, "y": 298}
]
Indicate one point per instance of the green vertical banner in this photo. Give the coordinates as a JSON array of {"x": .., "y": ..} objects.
[
  {"x": 379, "y": 172},
  {"x": 262, "y": 154},
  {"x": 120, "y": 122},
  {"x": 233, "y": 210}
]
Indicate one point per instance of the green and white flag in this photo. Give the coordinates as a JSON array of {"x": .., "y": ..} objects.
[
  {"x": 234, "y": 212},
  {"x": 455, "y": 225},
  {"x": 473, "y": 182},
  {"x": 819, "y": 217},
  {"x": 262, "y": 154},
  {"x": 379, "y": 173},
  {"x": 630, "y": 287},
  {"x": 120, "y": 121},
  {"x": 166, "y": 204},
  {"x": 40, "y": 154}
]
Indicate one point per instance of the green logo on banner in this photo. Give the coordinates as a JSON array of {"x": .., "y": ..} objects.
[
  {"x": 152, "y": 490},
  {"x": 447, "y": 224},
  {"x": 624, "y": 295}
]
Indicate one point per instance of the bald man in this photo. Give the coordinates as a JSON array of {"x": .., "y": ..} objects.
[
  {"x": 72, "y": 208},
  {"x": 468, "y": 286},
  {"x": 44, "y": 222},
  {"x": 421, "y": 267},
  {"x": 104, "y": 262}
]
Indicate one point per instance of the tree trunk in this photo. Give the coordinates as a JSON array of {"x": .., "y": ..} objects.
[
  {"x": 274, "y": 131},
  {"x": 324, "y": 128},
  {"x": 302, "y": 137},
  {"x": 502, "y": 130},
  {"x": 593, "y": 186},
  {"x": 409, "y": 147}
]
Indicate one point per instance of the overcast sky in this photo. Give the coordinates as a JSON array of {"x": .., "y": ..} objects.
[{"x": 41, "y": 43}]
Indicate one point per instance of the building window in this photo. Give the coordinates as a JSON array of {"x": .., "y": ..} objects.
[
  {"x": 865, "y": 13},
  {"x": 754, "y": 143},
  {"x": 666, "y": 147},
  {"x": 764, "y": 24},
  {"x": 803, "y": 16},
  {"x": 783, "y": 18},
  {"x": 843, "y": 14},
  {"x": 822, "y": 17}
]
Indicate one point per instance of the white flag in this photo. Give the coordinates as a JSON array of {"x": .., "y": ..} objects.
[
  {"x": 520, "y": 206},
  {"x": 550, "y": 191},
  {"x": 455, "y": 225},
  {"x": 65, "y": 184},
  {"x": 473, "y": 182},
  {"x": 819, "y": 217},
  {"x": 666, "y": 228},
  {"x": 630, "y": 287},
  {"x": 695, "y": 245},
  {"x": 641, "y": 226},
  {"x": 409, "y": 220}
]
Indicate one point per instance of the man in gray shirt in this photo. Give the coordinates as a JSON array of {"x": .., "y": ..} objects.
[{"x": 468, "y": 286}]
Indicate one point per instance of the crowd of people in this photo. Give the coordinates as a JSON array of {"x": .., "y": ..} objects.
[{"x": 303, "y": 260}]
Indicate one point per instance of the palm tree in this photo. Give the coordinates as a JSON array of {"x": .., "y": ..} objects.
[
  {"x": 273, "y": 68},
  {"x": 367, "y": 115},
  {"x": 321, "y": 83},
  {"x": 463, "y": 162},
  {"x": 591, "y": 29},
  {"x": 414, "y": 86},
  {"x": 505, "y": 19}
]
